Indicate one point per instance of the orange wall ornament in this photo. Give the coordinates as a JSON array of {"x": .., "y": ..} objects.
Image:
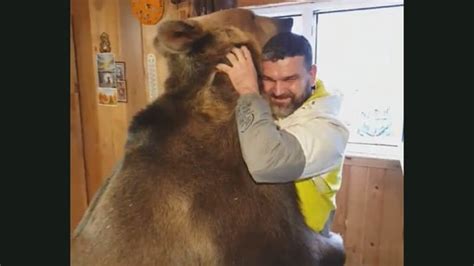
[{"x": 149, "y": 12}]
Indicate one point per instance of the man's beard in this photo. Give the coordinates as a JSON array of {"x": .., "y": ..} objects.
[{"x": 280, "y": 111}]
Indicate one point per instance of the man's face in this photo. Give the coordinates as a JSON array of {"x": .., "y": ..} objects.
[{"x": 287, "y": 84}]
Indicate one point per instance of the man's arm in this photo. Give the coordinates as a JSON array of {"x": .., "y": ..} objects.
[
  {"x": 303, "y": 150},
  {"x": 271, "y": 155}
]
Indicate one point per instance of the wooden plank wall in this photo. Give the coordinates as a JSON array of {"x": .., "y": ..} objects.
[
  {"x": 104, "y": 128},
  {"x": 77, "y": 175},
  {"x": 370, "y": 212}
]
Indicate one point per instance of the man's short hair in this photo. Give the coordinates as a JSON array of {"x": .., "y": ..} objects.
[{"x": 288, "y": 44}]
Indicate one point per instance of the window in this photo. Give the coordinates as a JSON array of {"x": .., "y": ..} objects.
[{"x": 359, "y": 53}]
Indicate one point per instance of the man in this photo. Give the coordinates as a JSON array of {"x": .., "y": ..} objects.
[{"x": 290, "y": 132}]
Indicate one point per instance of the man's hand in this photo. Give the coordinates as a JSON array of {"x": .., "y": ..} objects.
[{"x": 242, "y": 73}]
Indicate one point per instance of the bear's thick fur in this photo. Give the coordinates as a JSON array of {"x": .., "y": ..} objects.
[{"x": 182, "y": 194}]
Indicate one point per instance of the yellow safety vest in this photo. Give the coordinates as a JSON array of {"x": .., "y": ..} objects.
[{"x": 318, "y": 194}]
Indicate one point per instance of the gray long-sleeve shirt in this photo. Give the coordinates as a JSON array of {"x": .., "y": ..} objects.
[{"x": 309, "y": 142}]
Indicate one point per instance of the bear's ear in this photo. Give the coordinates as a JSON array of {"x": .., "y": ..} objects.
[{"x": 178, "y": 36}]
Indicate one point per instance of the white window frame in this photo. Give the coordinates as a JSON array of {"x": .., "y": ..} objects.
[{"x": 309, "y": 12}]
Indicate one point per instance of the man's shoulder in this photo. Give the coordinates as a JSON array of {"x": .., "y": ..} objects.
[
  {"x": 322, "y": 103},
  {"x": 323, "y": 99},
  {"x": 326, "y": 108},
  {"x": 329, "y": 104}
]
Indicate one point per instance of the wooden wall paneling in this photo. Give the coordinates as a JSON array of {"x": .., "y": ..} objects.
[
  {"x": 342, "y": 202},
  {"x": 372, "y": 162},
  {"x": 355, "y": 215},
  {"x": 373, "y": 214},
  {"x": 112, "y": 119},
  {"x": 369, "y": 213},
  {"x": 104, "y": 126},
  {"x": 87, "y": 89},
  {"x": 391, "y": 236},
  {"x": 132, "y": 53},
  {"x": 78, "y": 190}
]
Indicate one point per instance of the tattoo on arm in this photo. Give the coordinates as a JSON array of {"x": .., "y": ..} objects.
[{"x": 245, "y": 117}]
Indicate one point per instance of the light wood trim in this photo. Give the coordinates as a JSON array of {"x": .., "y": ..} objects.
[
  {"x": 88, "y": 103},
  {"x": 371, "y": 162},
  {"x": 78, "y": 187}
]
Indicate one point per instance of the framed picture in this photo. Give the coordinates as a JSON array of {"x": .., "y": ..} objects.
[
  {"x": 120, "y": 70},
  {"x": 107, "y": 79},
  {"x": 106, "y": 70},
  {"x": 105, "y": 62},
  {"x": 122, "y": 91},
  {"x": 108, "y": 96}
]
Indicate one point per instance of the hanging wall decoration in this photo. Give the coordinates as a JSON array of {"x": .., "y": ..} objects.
[
  {"x": 152, "y": 77},
  {"x": 107, "y": 90},
  {"x": 104, "y": 43},
  {"x": 122, "y": 91},
  {"x": 120, "y": 73},
  {"x": 149, "y": 12}
]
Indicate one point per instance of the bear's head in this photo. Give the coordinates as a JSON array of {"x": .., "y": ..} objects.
[{"x": 192, "y": 48}]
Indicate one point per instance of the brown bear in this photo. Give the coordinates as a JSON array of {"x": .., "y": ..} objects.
[{"x": 182, "y": 194}]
